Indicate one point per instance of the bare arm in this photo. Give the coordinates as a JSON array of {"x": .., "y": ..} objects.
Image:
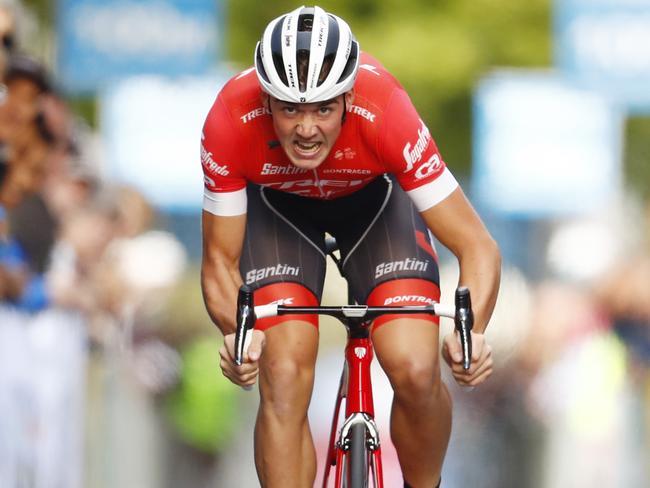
[
  {"x": 223, "y": 238},
  {"x": 459, "y": 228}
]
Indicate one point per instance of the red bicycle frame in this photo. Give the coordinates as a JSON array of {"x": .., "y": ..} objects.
[
  {"x": 356, "y": 383},
  {"x": 356, "y": 388}
]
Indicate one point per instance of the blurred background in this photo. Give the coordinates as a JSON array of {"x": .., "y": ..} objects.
[{"x": 108, "y": 362}]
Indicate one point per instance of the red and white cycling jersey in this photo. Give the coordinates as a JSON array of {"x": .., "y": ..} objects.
[{"x": 382, "y": 133}]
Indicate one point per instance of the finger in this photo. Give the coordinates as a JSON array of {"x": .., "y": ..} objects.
[
  {"x": 241, "y": 380},
  {"x": 478, "y": 347},
  {"x": 223, "y": 353},
  {"x": 482, "y": 370},
  {"x": 258, "y": 340},
  {"x": 475, "y": 369},
  {"x": 249, "y": 377},
  {"x": 481, "y": 378},
  {"x": 484, "y": 351},
  {"x": 453, "y": 348}
]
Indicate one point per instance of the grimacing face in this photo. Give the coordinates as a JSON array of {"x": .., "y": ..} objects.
[{"x": 308, "y": 131}]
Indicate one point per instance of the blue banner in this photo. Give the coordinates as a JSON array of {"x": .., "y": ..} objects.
[
  {"x": 605, "y": 45},
  {"x": 104, "y": 40},
  {"x": 544, "y": 148}
]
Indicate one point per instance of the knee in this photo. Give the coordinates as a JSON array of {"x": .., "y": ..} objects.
[
  {"x": 285, "y": 387},
  {"x": 414, "y": 380}
]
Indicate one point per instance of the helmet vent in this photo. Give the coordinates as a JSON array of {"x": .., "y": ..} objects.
[
  {"x": 276, "y": 51},
  {"x": 352, "y": 61}
]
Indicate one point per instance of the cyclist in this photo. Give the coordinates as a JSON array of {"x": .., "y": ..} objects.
[{"x": 318, "y": 137}]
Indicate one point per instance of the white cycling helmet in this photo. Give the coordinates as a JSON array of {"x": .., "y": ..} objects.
[{"x": 307, "y": 56}]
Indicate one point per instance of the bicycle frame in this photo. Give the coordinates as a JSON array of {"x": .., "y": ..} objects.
[
  {"x": 356, "y": 384},
  {"x": 356, "y": 388}
]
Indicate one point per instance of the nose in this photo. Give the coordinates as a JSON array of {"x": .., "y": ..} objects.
[{"x": 306, "y": 127}]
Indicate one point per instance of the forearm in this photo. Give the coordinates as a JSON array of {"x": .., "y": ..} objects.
[
  {"x": 220, "y": 284},
  {"x": 220, "y": 278},
  {"x": 480, "y": 271}
]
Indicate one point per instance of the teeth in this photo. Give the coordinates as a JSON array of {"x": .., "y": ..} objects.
[{"x": 307, "y": 147}]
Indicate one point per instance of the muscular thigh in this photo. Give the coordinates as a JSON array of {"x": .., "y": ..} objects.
[
  {"x": 408, "y": 351},
  {"x": 282, "y": 258},
  {"x": 287, "y": 365}
]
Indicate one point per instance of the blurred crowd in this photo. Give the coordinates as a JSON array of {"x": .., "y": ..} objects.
[
  {"x": 82, "y": 269},
  {"x": 64, "y": 228},
  {"x": 572, "y": 377}
]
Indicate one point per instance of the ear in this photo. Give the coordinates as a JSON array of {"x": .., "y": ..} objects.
[
  {"x": 349, "y": 97},
  {"x": 265, "y": 98}
]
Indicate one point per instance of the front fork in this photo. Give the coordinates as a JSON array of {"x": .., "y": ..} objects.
[{"x": 356, "y": 387}]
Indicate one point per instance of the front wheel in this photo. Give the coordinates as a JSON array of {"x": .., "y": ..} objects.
[{"x": 357, "y": 458}]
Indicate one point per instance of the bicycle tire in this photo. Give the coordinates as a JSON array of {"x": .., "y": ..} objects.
[{"x": 357, "y": 458}]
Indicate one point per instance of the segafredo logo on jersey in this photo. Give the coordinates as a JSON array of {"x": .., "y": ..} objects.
[
  {"x": 428, "y": 168},
  {"x": 253, "y": 114},
  {"x": 413, "y": 153},
  {"x": 418, "y": 299},
  {"x": 210, "y": 164},
  {"x": 283, "y": 301},
  {"x": 360, "y": 352},
  {"x": 408, "y": 264},
  {"x": 281, "y": 269}
]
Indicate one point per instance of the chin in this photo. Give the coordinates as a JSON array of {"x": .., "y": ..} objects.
[{"x": 306, "y": 163}]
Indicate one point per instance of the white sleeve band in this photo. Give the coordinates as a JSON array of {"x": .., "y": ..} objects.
[
  {"x": 226, "y": 204},
  {"x": 426, "y": 196}
]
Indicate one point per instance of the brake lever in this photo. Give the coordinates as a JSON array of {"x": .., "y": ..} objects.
[
  {"x": 245, "y": 322},
  {"x": 464, "y": 322}
]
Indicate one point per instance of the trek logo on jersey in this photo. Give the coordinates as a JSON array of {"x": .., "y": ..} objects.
[
  {"x": 362, "y": 112},
  {"x": 297, "y": 185},
  {"x": 413, "y": 154},
  {"x": 272, "y": 169},
  {"x": 211, "y": 165},
  {"x": 281, "y": 269},
  {"x": 409, "y": 299},
  {"x": 253, "y": 114},
  {"x": 408, "y": 264}
]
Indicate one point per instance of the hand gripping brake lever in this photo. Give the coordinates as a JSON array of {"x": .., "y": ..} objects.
[{"x": 464, "y": 321}]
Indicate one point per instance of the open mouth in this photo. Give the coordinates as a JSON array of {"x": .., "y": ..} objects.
[{"x": 307, "y": 148}]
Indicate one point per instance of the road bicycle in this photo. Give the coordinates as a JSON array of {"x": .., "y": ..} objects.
[{"x": 354, "y": 450}]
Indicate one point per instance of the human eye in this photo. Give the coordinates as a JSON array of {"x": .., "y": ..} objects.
[
  {"x": 289, "y": 109},
  {"x": 325, "y": 110}
]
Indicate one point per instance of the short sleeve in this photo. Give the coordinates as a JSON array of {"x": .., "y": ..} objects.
[
  {"x": 222, "y": 156},
  {"x": 410, "y": 153}
]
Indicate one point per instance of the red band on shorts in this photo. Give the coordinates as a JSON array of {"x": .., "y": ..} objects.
[
  {"x": 408, "y": 291},
  {"x": 291, "y": 294}
]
